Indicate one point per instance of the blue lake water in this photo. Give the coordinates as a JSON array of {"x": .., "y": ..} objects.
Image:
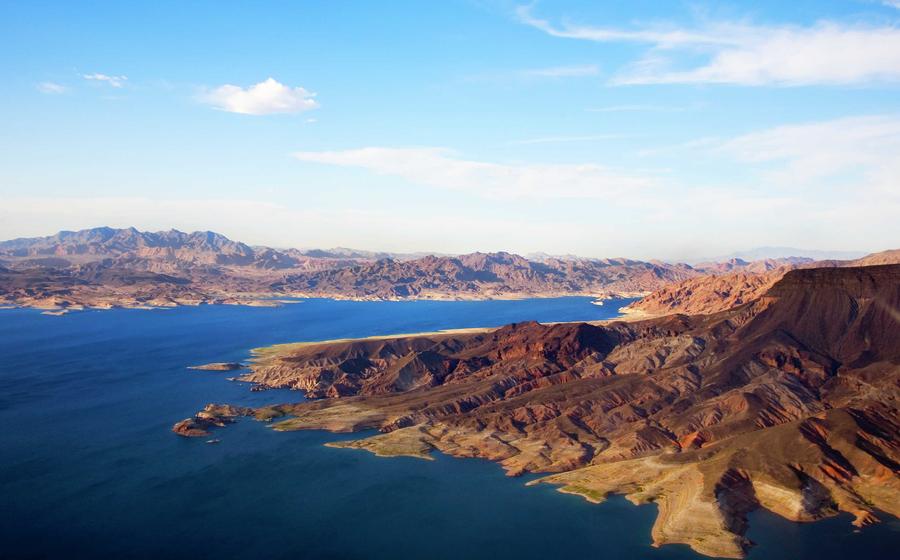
[{"x": 90, "y": 469}]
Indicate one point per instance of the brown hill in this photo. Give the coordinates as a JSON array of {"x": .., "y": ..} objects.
[
  {"x": 884, "y": 257},
  {"x": 707, "y": 294},
  {"x": 788, "y": 402},
  {"x": 716, "y": 292},
  {"x": 759, "y": 266}
]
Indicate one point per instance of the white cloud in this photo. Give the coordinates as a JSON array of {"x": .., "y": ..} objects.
[
  {"x": 112, "y": 81},
  {"x": 563, "y": 71},
  {"x": 857, "y": 151},
  {"x": 826, "y": 185},
  {"x": 439, "y": 168},
  {"x": 51, "y": 88},
  {"x": 825, "y": 53},
  {"x": 662, "y": 37},
  {"x": 265, "y": 98}
]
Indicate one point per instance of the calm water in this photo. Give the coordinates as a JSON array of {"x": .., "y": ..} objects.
[{"x": 89, "y": 468}]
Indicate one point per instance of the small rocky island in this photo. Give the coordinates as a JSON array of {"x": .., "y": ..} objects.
[
  {"x": 788, "y": 402},
  {"x": 219, "y": 366}
]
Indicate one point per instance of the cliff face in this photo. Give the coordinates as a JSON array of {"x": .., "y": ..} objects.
[{"x": 788, "y": 402}]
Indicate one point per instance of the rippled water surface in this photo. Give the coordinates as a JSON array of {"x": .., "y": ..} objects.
[{"x": 89, "y": 468}]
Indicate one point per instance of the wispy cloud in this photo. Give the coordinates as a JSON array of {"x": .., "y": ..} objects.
[
  {"x": 820, "y": 184},
  {"x": 51, "y": 88},
  {"x": 440, "y": 168},
  {"x": 860, "y": 151},
  {"x": 112, "y": 81},
  {"x": 705, "y": 144},
  {"x": 563, "y": 71},
  {"x": 660, "y": 36},
  {"x": 561, "y": 139},
  {"x": 265, "y": 98},
  {"x": 746, "y": 54},
  {"x": 634, "y": 108}
]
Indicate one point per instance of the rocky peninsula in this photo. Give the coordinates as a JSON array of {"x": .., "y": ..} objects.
[{"x": 787, "y": 402}]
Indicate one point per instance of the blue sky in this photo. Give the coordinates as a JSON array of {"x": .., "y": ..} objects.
[{"x": 645, "y": 129}]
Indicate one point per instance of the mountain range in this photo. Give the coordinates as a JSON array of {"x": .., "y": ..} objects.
[{"x": 107, "y": 267}]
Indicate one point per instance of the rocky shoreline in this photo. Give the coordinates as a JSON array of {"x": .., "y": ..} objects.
[
  {"x": 708, "y": 416},
  {"x": 61, "y": 306}
]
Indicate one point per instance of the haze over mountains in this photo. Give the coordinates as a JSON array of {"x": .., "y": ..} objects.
[
  {"x": 760, "y": 253},
  {"x": 104, "y": 267}
]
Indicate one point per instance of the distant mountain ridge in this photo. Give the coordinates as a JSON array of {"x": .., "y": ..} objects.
[
  {"x": 491, "y": 274},
  {"x": 761, "y": 265},
  {"x": 761, "y": 253},
  {"x": 347, "y": 253},
  {"x": 199, "y": 247},
  {"x": 111, "y": 267}
]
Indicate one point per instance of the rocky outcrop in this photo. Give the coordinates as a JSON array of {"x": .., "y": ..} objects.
[
  {"x": 788, "y": 402},
  {"x": 708, "y": 294},
  {"x": 213, "y": 415},
  {"x": 219, "y": 366}
]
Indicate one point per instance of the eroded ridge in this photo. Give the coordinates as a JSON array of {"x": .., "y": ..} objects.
[{"x": 788, "y": 402}]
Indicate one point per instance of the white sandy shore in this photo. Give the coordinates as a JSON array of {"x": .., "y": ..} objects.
[
  {"x": 278, "y": 348},
  {"x": 627, "y": 315}
]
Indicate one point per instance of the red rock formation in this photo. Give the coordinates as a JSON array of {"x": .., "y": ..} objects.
[
  {"x": 724, "y": 289},
  {"x": 214, "y": 415},
  {"x": 787, "y": 402}
]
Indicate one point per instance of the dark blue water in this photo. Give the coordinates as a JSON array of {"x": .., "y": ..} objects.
[{"x": 89, "y": 468}]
